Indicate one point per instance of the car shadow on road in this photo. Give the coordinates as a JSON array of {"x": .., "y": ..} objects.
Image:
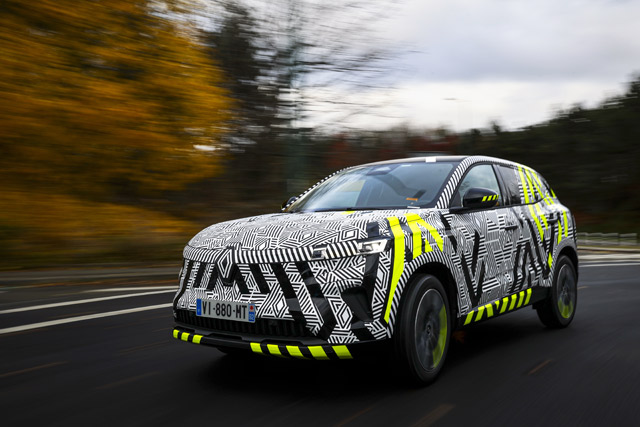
[
  {"x": 493, "y": 335},
  {"x": 369, "y": 372}
]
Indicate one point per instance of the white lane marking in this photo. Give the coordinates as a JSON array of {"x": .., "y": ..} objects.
[
  {"x": 610, "y": 257},
  {"x": 81, "y": 318},
  {"x": 618, "y": 264},
  {"x": 81, "y": 301},
  {"x": 139, "y": 288}
]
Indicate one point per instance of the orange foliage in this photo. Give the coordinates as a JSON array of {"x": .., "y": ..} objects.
[
  {"x": 47, "y": 229},
  {"x": 103, "y": 95}
]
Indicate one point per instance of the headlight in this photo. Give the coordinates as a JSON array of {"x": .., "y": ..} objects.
[{"x": 352, "y": 248}]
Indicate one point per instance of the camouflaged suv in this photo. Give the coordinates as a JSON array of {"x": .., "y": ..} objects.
[{"x": 405, "y": 250}]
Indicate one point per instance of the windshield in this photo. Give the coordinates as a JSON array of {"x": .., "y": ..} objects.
[{"x": 385, "y": 186}]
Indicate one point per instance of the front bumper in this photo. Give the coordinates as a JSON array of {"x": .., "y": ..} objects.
[
  {"x": 307, "y": 349},
  {"x": 337, "y": 301}
]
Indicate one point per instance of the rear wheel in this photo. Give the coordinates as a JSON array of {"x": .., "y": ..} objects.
[
  {"x": 423, "y": 331},
  {"x": 560, "y": 307}
]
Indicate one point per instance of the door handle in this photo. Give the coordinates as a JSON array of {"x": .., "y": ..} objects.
[{"x": 511, "y": 227}]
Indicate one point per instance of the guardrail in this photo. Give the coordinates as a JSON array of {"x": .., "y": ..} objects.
[{"x": 607, "y": 239}]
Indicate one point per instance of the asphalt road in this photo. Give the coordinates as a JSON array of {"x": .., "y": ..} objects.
[{"x": 125, "y": 368}]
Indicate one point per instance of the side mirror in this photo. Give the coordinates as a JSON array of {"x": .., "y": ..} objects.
[
  {"x": 479, "y": 198},
  {"x": 288, "y": 202}
]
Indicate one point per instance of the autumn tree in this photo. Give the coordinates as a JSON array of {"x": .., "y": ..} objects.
[{"x": 106, "y": 97}]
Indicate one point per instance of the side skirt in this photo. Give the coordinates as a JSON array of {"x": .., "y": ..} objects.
[{"x": 505, "y": 305}]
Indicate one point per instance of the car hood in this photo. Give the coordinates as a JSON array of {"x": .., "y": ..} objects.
[{"x": 295, "y": 230}]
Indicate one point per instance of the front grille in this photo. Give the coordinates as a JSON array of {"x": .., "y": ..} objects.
[{"x": 265, "y": 327}]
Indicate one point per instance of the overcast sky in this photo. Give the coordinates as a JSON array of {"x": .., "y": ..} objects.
[{"x": 513, "y": 61}]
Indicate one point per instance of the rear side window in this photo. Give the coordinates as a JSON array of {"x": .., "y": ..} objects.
[
  {"x": 511, "y": 182},
  {"x": 523, "y": 185},
  {"x": 532, "y": 187}
]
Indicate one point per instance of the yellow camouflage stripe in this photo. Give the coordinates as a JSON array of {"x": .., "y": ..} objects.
[
  {"x": 537, "y": 221},
  {"x": 342, "y": 351},
  {"x": 317, "y": 352},
  {"x": 417, "y": 239},
  {"x": 185, "y": 336},
  {"x": 518, "y": 300},
  {"x": 294, "y": 351},
  {"x": 414, "y": 221},
  {"x": 559, "y": 230},
  {"x": 523, "y": 181},
  {"x": 533, "y": 184},
  {"x": 547, "y": 195},
  {"x": 544, "y": 219},
  {"x": 398, "y": 261},
  {"x": 274, "y": 350}
]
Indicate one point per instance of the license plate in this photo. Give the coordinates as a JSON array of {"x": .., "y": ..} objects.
[{"x": 239, "y": 311}]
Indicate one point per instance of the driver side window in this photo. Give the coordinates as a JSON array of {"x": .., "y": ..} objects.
[{"x": 481, "y": 176}]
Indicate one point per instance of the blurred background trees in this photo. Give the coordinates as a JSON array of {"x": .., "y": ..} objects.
[
  {"x": 106, "y": 98},
  {"x": 128, "y": 125},
  {"x": 104, "y": 104},
  {"x": 285, "y": 60},
  {"x": 590, "y": 156}
]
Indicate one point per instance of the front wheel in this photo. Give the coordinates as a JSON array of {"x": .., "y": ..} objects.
[
  {"x": 423, "y": 330},
  {"x": 560, "y": 307}
]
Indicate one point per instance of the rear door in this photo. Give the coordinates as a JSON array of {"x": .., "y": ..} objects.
[
  {"x": 519, "y": 267},
  {"x": 544, "y": 224}
]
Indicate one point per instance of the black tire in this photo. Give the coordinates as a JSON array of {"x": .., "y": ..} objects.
[
  {"x": 558, "y": 310},
  {"x": 423, "y": 330}
]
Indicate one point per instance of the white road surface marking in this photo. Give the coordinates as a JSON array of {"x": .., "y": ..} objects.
[
  {"x": 610, "y": 257},
  {"x": 81, "y": 318},
  {"x": 139, "y": 288},
  {"x": 158, "y": 290},
  {"x": 617, "y": 264},
  {"x": 82, "y": 301}
]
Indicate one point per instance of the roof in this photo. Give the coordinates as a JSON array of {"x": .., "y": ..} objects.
[{"x": 458, "y": 159}]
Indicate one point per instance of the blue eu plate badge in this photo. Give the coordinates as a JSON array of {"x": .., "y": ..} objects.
[{"x": 252, "y": 313}]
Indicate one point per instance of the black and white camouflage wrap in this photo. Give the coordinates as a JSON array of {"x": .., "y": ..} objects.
[{"x": 271, "y": 260}]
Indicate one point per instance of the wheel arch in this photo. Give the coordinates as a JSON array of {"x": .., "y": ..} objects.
[
  {"x": 571, "y": 253},
  {"x": 443, "y": 274}
]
